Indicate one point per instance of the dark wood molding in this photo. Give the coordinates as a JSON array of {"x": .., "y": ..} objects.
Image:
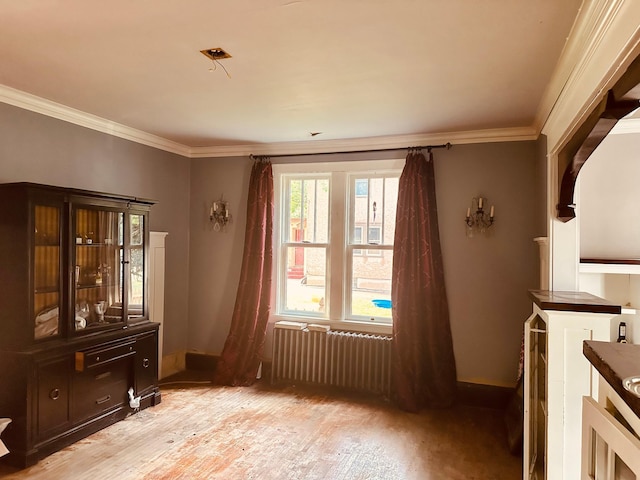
[
  {"x": 481, "y": 395},
  {"x": 201, "y": 361},
  {"x": 573, "y": 302},
  {"x": 615, "y": 362},
  {"x": 611, "y": 261},
  {"x": 621, "y": 100}
]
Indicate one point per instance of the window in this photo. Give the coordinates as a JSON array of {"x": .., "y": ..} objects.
[{"x": 326, "y": 215}]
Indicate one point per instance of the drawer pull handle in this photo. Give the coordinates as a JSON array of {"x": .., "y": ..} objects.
[
  {"x": 54, "y": 394},
  {"x": 103, "y": 399},
  {"x": 146, "y": 363}
]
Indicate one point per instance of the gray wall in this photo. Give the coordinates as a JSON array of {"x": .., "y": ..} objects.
[
  {"x": 487, "y": 277},
  {"x": 216, "y": 257},
  {"x": 40, "y": 149}
]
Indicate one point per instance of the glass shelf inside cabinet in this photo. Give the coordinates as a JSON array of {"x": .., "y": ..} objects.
[
  {"x": 98, "y": 268},
  {"x": 46, "y": 271}
]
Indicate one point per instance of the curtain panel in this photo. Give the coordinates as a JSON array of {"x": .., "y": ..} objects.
[
  {"x": 240, "y": 358},
  {"x": 423, "y": 363}
]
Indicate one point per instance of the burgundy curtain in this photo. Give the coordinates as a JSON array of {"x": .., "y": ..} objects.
[
  {"x": 240, "y": 359},
  {"x": 423, "y": 364}
]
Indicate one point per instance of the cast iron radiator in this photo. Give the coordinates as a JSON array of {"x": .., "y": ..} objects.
[{"x": 313, "y": 355}]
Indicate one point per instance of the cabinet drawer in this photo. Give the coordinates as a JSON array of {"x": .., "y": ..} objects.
[
  {"x": 53, "y": 396},
  {"x": 100, "y": 356},
  {"x": 101, "y": 388},
  {"x": 146, "y": 363}
]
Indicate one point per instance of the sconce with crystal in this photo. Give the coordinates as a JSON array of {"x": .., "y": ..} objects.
[
  {"x": 478, "y": 220},
  {"x": 219, "y": 214}
]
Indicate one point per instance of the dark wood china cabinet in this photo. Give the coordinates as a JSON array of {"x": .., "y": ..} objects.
[{"x": 77, "y": 349}]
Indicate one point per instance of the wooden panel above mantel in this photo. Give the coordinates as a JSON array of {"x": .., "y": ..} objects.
[{"x": 573, "y": 302}]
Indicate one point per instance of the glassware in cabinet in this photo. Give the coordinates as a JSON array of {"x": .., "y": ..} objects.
[{"x": 98, "y": 268}]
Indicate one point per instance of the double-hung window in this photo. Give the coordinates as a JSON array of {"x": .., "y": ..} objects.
[{"x": 335, "y": 224}]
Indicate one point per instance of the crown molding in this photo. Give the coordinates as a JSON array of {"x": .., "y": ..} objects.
[
  {"x": 603, "y": 42},
  {"x": 36, "y": 104},
  {"x": 370, "y": 143},
  {"x": 589, "y": 26},
  {"x": 42, "y": 106}
]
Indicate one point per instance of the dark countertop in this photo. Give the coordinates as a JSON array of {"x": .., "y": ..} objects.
[
  {"x": 573, "y": 302},
  {"x": 615, "y": 362}
]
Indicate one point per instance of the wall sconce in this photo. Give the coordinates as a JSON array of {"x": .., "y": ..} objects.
[
  {"x": 219, "y": 214},
  {"x": 477, "y": 220}
]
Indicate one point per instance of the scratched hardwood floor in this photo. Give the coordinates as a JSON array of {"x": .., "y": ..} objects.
[{"x": 263, "y": 432}]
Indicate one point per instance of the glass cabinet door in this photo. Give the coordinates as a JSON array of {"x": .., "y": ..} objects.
[
  {"x": 46, "y": 271},
  {"x": 99, "y": 268},
  {"x": 136, "y": 274}
]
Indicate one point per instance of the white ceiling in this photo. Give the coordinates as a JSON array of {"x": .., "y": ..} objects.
[{"x": 351, "y": 69}]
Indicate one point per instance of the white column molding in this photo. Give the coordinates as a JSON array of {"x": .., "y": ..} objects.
[{"x": 156, "y": 286}]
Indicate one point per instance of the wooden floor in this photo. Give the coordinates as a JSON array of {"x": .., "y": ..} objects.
[{"x": 210, "y": 432}]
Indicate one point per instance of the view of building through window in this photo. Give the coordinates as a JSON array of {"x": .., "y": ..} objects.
[
  {"x": 336, "y": 245},
  {"x": 373, "y": 211}
]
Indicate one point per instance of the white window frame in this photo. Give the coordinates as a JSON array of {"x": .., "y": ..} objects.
[{"x": 336, "y": 270}]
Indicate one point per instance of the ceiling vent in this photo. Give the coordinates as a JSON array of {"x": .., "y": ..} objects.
[{"x": 215, "y": 53}]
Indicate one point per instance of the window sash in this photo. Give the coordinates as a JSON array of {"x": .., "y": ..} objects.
[
  {"x": 360, "y": 301},
  {"x": 340, "y": 248}
]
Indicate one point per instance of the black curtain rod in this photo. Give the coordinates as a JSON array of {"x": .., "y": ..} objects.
[{"x": 427, "y": 147}]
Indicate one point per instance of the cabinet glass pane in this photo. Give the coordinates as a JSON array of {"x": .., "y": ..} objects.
[
  {"x": 98, "y": 268},
  {"x": 46, "y": 271},
  {"x": 136, "y": 267}
]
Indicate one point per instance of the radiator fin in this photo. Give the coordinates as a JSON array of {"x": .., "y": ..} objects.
[{"x": 354, "y": 361}]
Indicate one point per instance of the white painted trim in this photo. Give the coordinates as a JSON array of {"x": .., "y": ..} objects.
[
  {"x": 617, "y": 268},
  {"x": 597, "y": 22},
  {"x": 32, "y": 103},
  {"x": 42, "y": 106},
  {"x": 607, "y": 40},
  {"x": 626, "y": 126},
  {"x": 371, "y": 143},
  {"x": 156, "y": 287}
]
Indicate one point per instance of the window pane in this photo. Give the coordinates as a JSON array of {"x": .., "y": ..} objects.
[
  {"x": 362, "y": 187},
  {"x": 136, "y": 229},
  {"x": 136, "y": 266},
  {"x": 360, "y": 206},
  {"x": 374, "y": 235},
  {"x": 373, "y": 207},
  {"x": 371, "y": 284},
  {"x": 305, "y": 283},
  {"x": 308, "y": 210}
]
